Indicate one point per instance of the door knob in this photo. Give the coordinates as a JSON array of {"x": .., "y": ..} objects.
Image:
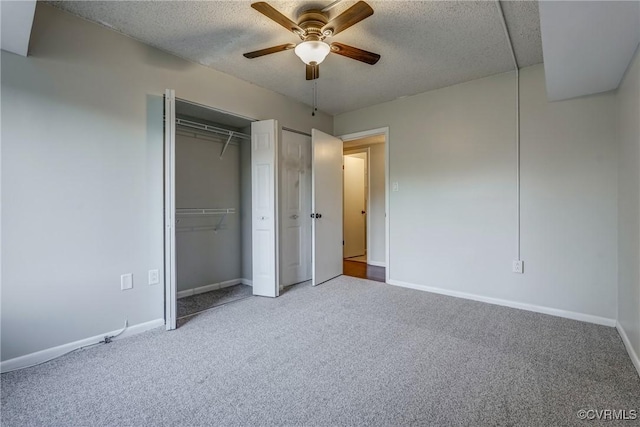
[
  {"x": 363, "y": 212},
  {"x": 294, "y": 216},
  {"x": 318, "y": 215}
]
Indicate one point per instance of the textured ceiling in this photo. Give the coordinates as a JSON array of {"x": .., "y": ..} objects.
[{"x": 424, "y": 45}]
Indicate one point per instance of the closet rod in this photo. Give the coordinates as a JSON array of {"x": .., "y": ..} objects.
[
  {"x": 205, "y": 136},
  {"x": 204, "y": 211},
  {"x": 209, "y": 128},
  {"x": 213, "y": 228}
]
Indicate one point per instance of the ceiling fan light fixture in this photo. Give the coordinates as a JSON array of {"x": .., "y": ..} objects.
[{"x": 312, "y": 52}]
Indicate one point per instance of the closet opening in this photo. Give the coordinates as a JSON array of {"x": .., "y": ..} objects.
[
  {"x": 237, "y": 208},
  {"x": 364, "y": 230},
  {"x": 212, "y": 208}
]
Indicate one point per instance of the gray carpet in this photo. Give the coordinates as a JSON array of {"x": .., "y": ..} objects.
[
  {"x": 197, "y": 303},
  {"x": 349, "y": 352}
]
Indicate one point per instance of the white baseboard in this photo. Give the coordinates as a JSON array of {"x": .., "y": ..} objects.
[
  {"x": 247, "y": 282},
  {"x": 632, "y": 353},
  {"x": 506, "y": 303},
  {"x": 211, "y": 287},
  {"x": 51, "y": 353},
  {"x": 377, "y": 263}
]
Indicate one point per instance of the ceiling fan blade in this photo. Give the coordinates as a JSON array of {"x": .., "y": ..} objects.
[
  {"x": 269, "y": 50},
  {"x": 349, "y": 17},
  {"x": 313, "y": 72},
  {"x": 355, "y": 53},
  {"x": 271, "y": 13}
]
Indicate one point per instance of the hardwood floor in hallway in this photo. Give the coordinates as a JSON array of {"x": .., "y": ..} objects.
[{"x": 363, "y": 271}]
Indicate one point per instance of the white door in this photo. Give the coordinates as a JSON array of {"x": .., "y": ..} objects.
[
  {"x": 295, "y": 208},
  {"x": 326, "y": 164},
  {"x": 264, "y": 210},
  {"x": 354, "y": 206},
  {"x": 170, "y": 279}
]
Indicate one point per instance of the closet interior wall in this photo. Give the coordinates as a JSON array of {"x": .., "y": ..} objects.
[{"x": 210, "y": 249}]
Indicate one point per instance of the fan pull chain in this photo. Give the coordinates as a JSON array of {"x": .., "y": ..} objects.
[{"x": 315, "y": 97}]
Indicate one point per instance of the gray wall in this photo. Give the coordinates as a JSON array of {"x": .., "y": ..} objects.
[
  {"x": 203, "y": 180},
  {"x": 628, "y": 97},
  {"x": 82, "y": 175},
  {"x": 453, "y": 220},
  {"x": 377, "y": 191}
]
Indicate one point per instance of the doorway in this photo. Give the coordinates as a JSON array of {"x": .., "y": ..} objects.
[
  {"x": 365, "y": 205},
  {"x": 210, "y": 196},
  {"x": 356, "y": 197}
]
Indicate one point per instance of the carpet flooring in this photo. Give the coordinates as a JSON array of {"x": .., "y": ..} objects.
[
  {"x": 204, "y": 301},
  {"x": 348, "y": 352}
]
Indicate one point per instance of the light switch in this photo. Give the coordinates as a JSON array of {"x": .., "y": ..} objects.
[
  {"x": 126, "y": 281},
  {"x": 396, "y": 186}
]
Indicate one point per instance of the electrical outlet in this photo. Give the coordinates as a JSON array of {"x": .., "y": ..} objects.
[
  {"x": 518, "y": 266},
  {"x": 126, "y": 281},
  {"x": 154, "y": 277}
]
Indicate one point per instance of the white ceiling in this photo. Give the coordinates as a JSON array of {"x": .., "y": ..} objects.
[
  {"x": 587, "y": 45},
  {"x": 424, "y": 45}
]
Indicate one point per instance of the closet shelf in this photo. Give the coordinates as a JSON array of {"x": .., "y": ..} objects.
[
  {"x": 204, "y": 211},
  {"x": 184, "y": 229},
  {"x": 208, "y": 128}
]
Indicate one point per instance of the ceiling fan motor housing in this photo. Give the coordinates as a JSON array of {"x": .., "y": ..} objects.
[{"x": 312, "y": 21}]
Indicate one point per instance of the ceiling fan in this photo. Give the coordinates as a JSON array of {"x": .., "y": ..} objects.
[{"x": 313, "y": 28}]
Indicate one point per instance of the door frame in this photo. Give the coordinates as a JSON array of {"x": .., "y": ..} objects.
[
  {"x": 366, "y": 150},
  {"x": 170, "y": 276},
  {"x": 373, "y": 132}
]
